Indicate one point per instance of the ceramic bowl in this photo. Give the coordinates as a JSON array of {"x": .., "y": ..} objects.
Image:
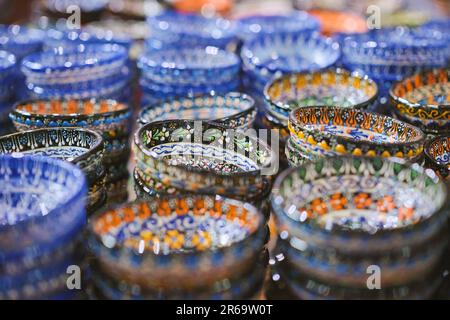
[
  {"x": 424, "y": 100},
  {"x": 188, "y": 66},
  {"x": 153, "y": 244},
  {"x": 203, "y": 157},
  {"x": 300, "y": 21},
  {"x": 42, "y": 203},
  {"x": 190, "y": 30},
  {"x": 71, "y": 65},
  {"x": 284, "y": 52},
  {"x": 233, "y": 110},
  {"x": 356, "y": 132},
  {"x": 324, "y": 88},
  {"x": 437, "y": 153},
  {"x": 357, "y": 205},
  {"x": 20, "y": 41}
]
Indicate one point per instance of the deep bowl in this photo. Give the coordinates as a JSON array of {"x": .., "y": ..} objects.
[
  {"x": 204, "y": 157},
  {"x": 437, "y": 153},
  {"x": 356, "y": 132},
  {"x": 324, "y": 88},
  {"x": 42, "y": 202},
  {"x": 424, "y": 100},
  {"x": 160, "y": 243},
  {"x": 233, "y": 110},
  {"x": 359, "y": 205}
]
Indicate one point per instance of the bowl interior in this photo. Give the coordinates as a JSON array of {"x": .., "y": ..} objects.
[
  {"x": 34, "y": 186},
  {"x": 439, "y": 150},
  {"x": 174, "y": 225},
  {"x": 326, "y": 88},
  {"x": 360, "y": 194}
]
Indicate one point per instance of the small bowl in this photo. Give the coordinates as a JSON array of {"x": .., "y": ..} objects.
[
  {"x": 356, "y": 132},
  {"x": 424, "y": 100},
  {"x": 42, "y": 203},
  {"x": 188, "y": 66},
  {"x": 359, "y": 205},
  {"x": 258, "y": 25},
  {"x": 138, "y": 250},
  {"x": 335, "y": 87},
  {"x": 20, "y": 41},
  {"x": 77, "y": 64},
  {"x": 273, "y": 54},
  {"x": 233, "y": 110},
  {"x": 192, "y": 30},
  {"x": 437, "y": 153},
  {"x": 203, "y": 157}
]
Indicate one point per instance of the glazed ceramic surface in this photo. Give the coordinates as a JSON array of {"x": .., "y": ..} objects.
[
  {"x": 326, "y": 88},
  {"x": 349, "y": 131},
  {"x": 437, "y": 152},
  {"x": 234, "y": 110},
  {"x": 198, "y": 156},
  {"x": 159, "y": 243},
  {"x": 360, "y": 204},
  {"x": 424, "y": 100},
  {"x": 20, "y": 40}
]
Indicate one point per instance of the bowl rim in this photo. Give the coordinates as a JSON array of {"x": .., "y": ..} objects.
[
  {"x": 401, "y": 100},
  {"x": 334, "y": 70},
  {"x": 210, "y": 125},
  {"x": 420, "y": 139},
  {"x": 443, "y": 209},
  {"x": 95, "y": 148},
  {"x": 427, "y": 147},
  {"x": 232, "y": 95}
]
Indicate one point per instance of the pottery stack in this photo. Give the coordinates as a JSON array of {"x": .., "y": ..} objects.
[
  {"x": 42, "y": 217},
  {"x": 183, "y": 247},
  {"x": 360, "y": 228}
]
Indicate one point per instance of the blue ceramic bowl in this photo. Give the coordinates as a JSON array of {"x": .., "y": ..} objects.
[
  {"x": 299, "y": 21},
  {"x": 192, "y": 30},
  {"x": 234, "y": 110},
  {"x": 20, "y": 41},
  {"x": 80, "y": 63},
  {"x": 190, "y": 66},
  {"x": 42, "y": 202},
  {"x": 284, "y": 52}
]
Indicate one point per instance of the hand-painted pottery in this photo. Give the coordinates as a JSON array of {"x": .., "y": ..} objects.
[
  {"x": 233, "y": 110},
  {"x": 81, "y": 63},
  {"x": 204, "y": 157},
  {"x": 253, "y": 26},
  {"x": 359, "y": 205},
  {"x": 160, "y": 243},
  {"x": 20, "y": 41},
  {"x": 324, "y": 88},
  {"x": 190, "y": 65},
  {"x": 424, "y": 100},
  {"x": 42, "y": 201},
  {"x": 192, "y": 30},
  {"x": 296, "y": 156},
  {"x": 437, "y": 153},
  {"x": 331, "y": 266},
  {"x": 356, "y": 132},
  {"x": 285, "y": 52}
]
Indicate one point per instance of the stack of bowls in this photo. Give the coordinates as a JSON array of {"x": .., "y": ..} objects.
[
  {"x": 185, "y": 157},
  {"x": 175, "y": 30},
  {"x": 233, "y": 110},
  {"x": 7, "y": 78},
  {"x": 170, "y": 73},
  {"x": 271, "y": 55},
  {"x": 253, "y": 26},
  {"x": 424, "y": 100},
  {"x": 360, "y": 228},
  {"x": 82, "y": 147},
  {"x": 437, "y": 155},
  {"x": 77, "y": 72},
  {"x": 42, "y": 217},
  {"x": 110, "y": 118},
  {"x": 318, "y": 132},
  {"x": 329, "y": 87},
  {"x": 388, "y": 55},
  {"x": 150, "y": 250}
]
